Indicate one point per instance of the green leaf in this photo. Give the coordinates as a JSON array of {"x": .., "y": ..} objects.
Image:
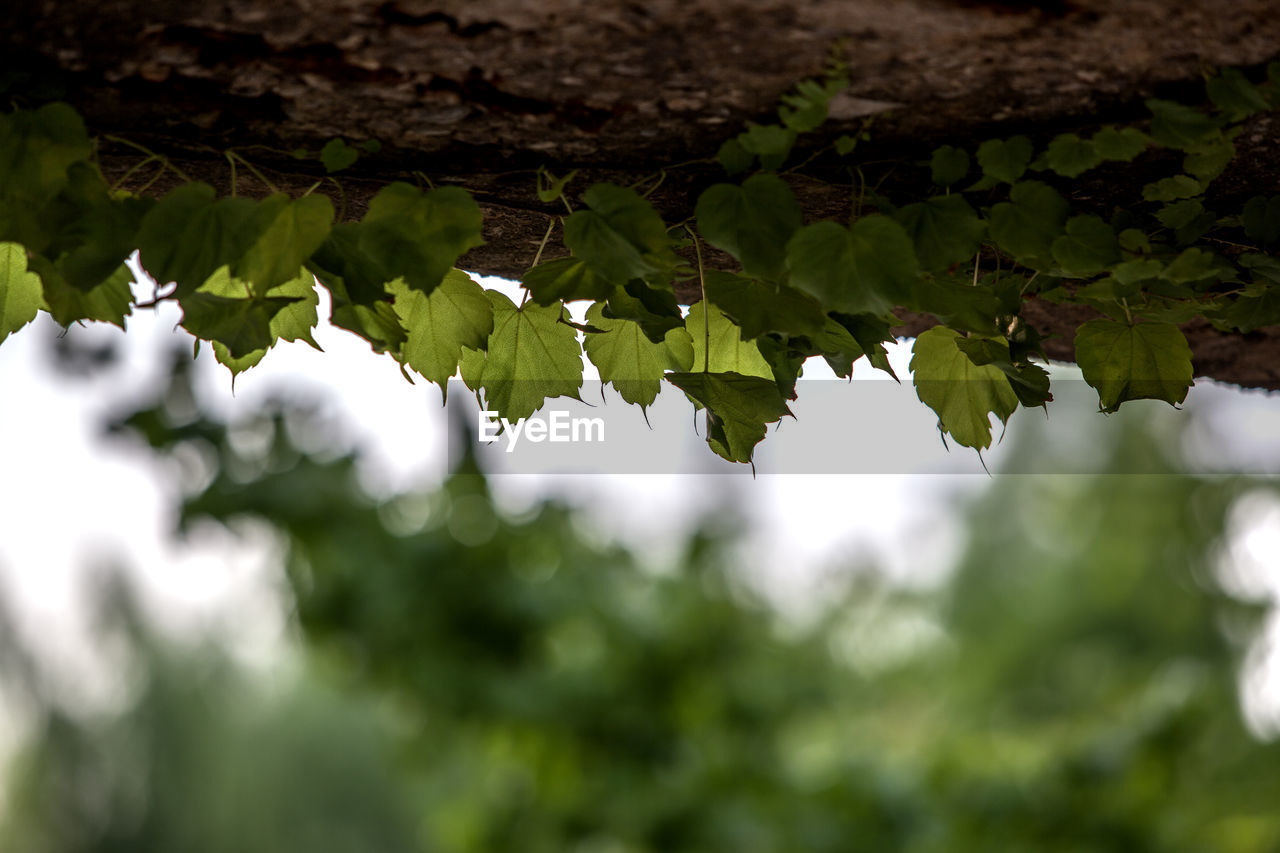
[
  {"x": 1122, "y": 144},
  {"x": 656, "y": 311},
  {"x": 472, "y": 367},
  {"x": 368, "y": 315},
  {"x": 729, "y": 353},
  {"x": 1261, "y": 218},
  {"x": 871, "y": 332},
  {"x": 1139, "y": 269},
  {"x": 738, "y": 409},
  {"x": 1088, "y": 247},
  {"x": 1232, "y": 93},
  {"x": 837, "y": 346},
  {"x": 456, "y": 314},
  {"x": 734, "y": 158},
  {"x": 1179, "y": 186},
  {"x": 758, "y": 307},
  {"x": 1147, "y": 361},
  {"x": 1179, "y": 214},
  {"x": 869, "y": 268},
  {"x": 1069, "y": 155},
  {"x": 337, "y": 155},
  {"x": 962, "y": 394},
  {"x": 37, "y": 147},
  {"x": 1005, "y": 159},
  {"x": 91, "y": 233},
  {"x": 949, "y": 165},
  {"x": 554, "y": 186},
  {"x": 1133, "y": 240},
  {"x": 20, "y": 293},
  {"x": 566, "y": 279},
  {"x": 286, "y": 233},
  {"x": 1247, "y": 313},
  {"x": 110, "y": 302},
  {"x": 771, "y": 143},
  {"x": 1030, "y": 382},
  {"x": 341, "y": 257},
  {"x": 1196, "y": 266},
  {"x": 1177, "y": 126},
  {"x": 632, "y": 363},
  {"x": 945, "y": 230},
  {"x": 1027, "y": 224},
  {"x": 224, "y": 310},
  {"x": 621, "y": 237},
  {"x": 419, "y": 236},
  {"x": 189, "y": 234},
  {"x": 806, "y": 108},
  {"x": 1208, "y": 160},
  {"x": 530, "y": 356},
  {"x": 752, "y": 222},
  {"x": 294, "y": 322},
  {"x": 958, "y": 304}
]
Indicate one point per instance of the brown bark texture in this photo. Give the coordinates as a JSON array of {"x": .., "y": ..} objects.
[{"x": 480, "y": 93}]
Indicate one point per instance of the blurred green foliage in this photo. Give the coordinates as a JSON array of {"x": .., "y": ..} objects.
[{"x": 1072, "y": 686}]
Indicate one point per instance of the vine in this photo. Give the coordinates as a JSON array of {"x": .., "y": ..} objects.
[{"x": 244, "y": 271}]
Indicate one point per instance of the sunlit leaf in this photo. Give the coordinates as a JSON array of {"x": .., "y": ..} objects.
[
  {"x": 729, "y": 353},
  {"x": 962, "y": 394},
  {"x": 20, "y": 294},
  {"x": 632, "y": 363},
  {"x": 456, "y": 314},
  {"x": 225, "y": 310},
  {"x": 530, "y": 356}
]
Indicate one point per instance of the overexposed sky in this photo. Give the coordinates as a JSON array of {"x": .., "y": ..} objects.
[{"x": 74, "y": 502}]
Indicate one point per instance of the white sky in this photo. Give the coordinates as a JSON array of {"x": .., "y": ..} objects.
[{"x": 72, "y": 502}]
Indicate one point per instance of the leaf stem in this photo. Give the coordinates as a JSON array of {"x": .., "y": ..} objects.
[
  {"x": 538, "y": 256},
  {"x": 119, "y": 140},
  {"x": 232, "y": 154},
  {"x": 706, "y": 314},
  {"x": 234, "y": 180},
  {"x": 129, "y": 173},
  {"x": 342, "y": 199}
]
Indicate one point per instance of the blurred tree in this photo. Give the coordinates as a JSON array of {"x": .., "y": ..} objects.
[
  {"x": 203, "y": 760},
  {"x": 1070, "y": 687}
]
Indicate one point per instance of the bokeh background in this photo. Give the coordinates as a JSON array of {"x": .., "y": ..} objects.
[{"x": 287, "y": 618}]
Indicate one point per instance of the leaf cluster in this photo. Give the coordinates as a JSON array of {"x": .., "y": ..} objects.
[{"x": 999, "y": 229}]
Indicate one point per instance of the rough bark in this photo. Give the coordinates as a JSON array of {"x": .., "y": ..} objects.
[{"x": 482, "y": 92}]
